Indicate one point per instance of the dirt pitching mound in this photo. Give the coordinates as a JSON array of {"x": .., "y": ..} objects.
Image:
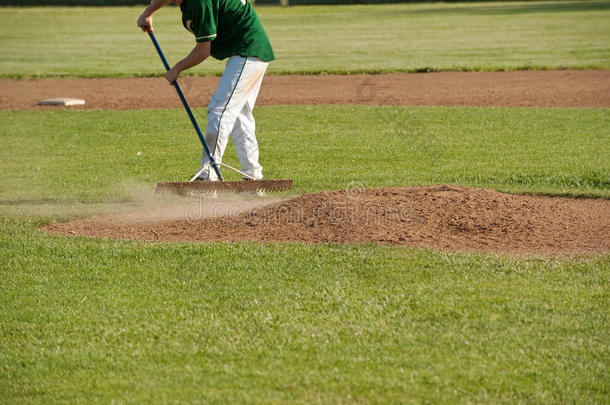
[{"x": 441, "y": 217}]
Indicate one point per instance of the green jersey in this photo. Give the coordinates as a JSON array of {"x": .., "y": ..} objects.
[{"x": 231, "y": 25}]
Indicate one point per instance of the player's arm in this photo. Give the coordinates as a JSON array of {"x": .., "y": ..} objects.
[
  {"x": 145, "y": 20},
  {"x": 199, "y": 53}
]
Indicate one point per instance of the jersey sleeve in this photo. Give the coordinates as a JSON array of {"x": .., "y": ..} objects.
[{"x": 205, "y": 27}]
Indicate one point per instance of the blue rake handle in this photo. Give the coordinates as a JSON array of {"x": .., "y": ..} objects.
[{"x": 187, "y": 108}]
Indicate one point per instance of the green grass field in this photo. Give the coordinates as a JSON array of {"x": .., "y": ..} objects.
[
  {"x": 92, "y": 320},
  {"x": 340, "y": 39},
  {"x": 98, "y": 321}
]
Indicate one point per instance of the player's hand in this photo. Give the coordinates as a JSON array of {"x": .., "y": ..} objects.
[
  {"x": 145, "y": 22},
  {"x": 172, "y": 75}
]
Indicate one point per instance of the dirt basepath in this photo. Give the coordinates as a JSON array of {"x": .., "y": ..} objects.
[
  {"x": 441, "y": 217},
  {"x": 569, "y": 88}
]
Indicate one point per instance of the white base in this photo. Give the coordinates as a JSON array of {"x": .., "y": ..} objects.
[{"x": 62, "y": 101}]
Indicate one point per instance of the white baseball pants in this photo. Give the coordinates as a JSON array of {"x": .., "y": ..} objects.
[{"x": 230, "y": 114}]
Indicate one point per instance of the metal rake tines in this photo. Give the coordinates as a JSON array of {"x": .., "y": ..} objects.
[{"x": 178, "y": 187}]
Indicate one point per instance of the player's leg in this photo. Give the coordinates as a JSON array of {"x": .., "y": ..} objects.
[
  {"x": 246, "y": 144},
  {"x": 244, "y": 138},
  {"x": 225, "y": 105}
]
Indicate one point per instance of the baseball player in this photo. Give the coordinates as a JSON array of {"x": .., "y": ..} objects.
[{"x": 225, "y": 29}]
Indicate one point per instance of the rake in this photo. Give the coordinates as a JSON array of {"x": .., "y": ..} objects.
[{"x": 194, "y": 186}]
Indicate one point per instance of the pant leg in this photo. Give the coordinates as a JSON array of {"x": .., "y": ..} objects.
[
  {"x": 239, "y": 81},
  {"x": 244, "y": 138}
]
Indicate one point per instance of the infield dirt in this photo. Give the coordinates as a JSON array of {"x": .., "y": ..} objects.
[{"x": 565, "y": 88}]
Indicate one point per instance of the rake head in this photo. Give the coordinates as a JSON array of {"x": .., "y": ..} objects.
[{"x": 190, "y": 187}]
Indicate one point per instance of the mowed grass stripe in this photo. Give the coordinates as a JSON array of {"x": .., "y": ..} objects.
[{"x": 92, "y": 156}]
